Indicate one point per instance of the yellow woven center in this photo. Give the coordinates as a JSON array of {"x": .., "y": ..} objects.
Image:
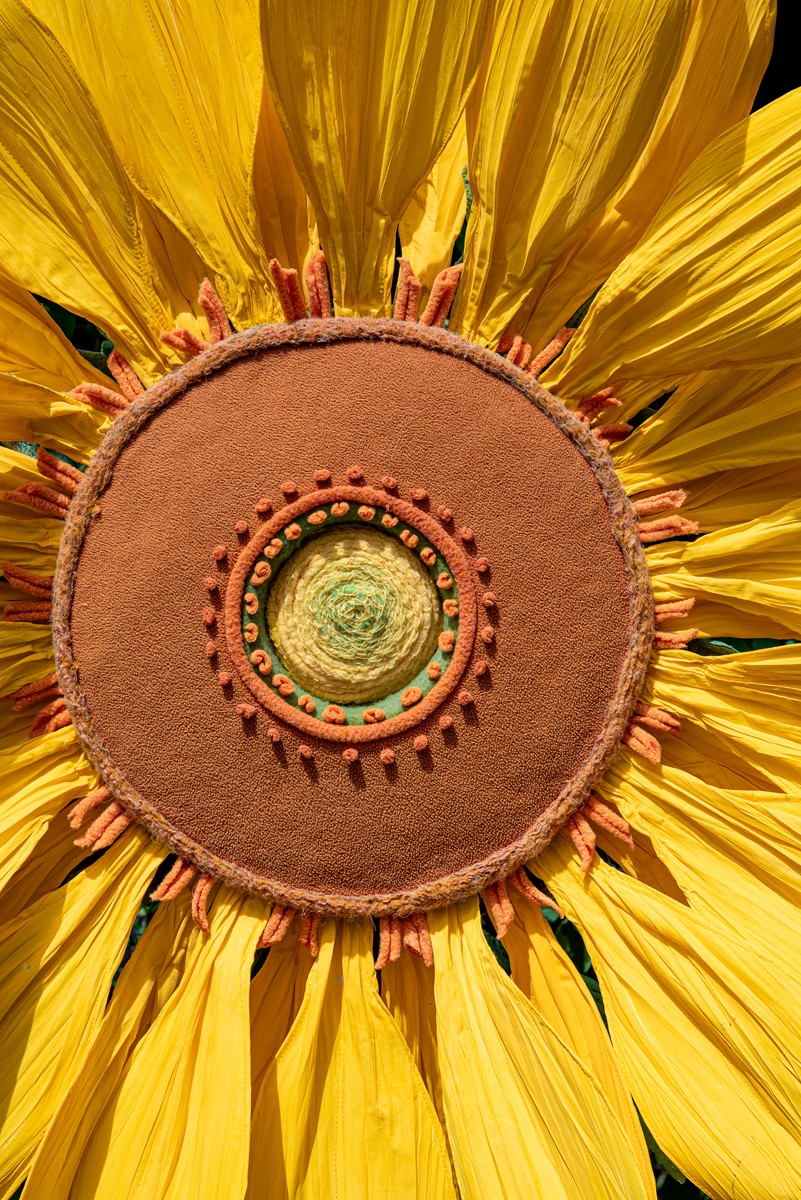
[{"x": 354, "y": 615}]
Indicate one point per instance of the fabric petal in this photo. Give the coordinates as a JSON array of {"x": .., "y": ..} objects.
[
  {"x": 713, "y": 282},
  {"x": 368, "y": 96},
  {"x": 276, "y": 995},
  {"x": 26, "y": 651},
  {"x": 26, "y": 540},
  {"x": 703, "y": 1030},
  {"x": 342, "y": 1111},
  {"x": 58, "y": 960},
  {"x": 725, "y": 50},
  {"x": 525, "y": 1117},
  {"x": 565, "y": 107},
  {"x": 286, "y": 223},
  {"x": 33, "y": 347},
  {"x": 436, "y": 212},
  {"x": 31, "y": 412},
  {"x": 407, "y": 987}
]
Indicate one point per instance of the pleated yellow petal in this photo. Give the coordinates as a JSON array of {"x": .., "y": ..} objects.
[
  {"x": 716, "y": 421},
  {"x": 736, "y": 497},
  {"x": 179, "y": 88},
  {"x": 276, "y": 995},
  {"x": 71, "y": 228},
  {"x": 368, "y": 96},
  {"x": 545, "y": 974},
  {"x": 407, "y": 987},
  {"x": 147, "y": 981},
  {"x": 178, "y": 1122},
  {"x": 33, "y": 347},
  {"x": 342, "y": 1111},
  {"x": 30, "y": 412},
  {"x": 287, "y": 226},
  {"x": 562, "y": 112},
  {"x": 704, "y": 1031},
  {"x": 744, "y": 578},
  {"x": 58, "y": 960},
  {"x": 751, "y": 702},
  {"x": 725, "y": 51},
  {"x": 436, "y": 212},
  {"x": 26, "y": 652},
  {"x": 525, "y": 1117},
  {"x": 713, "y": 282}
]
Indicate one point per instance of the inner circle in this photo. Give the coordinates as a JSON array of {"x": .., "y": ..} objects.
[{"x": 354, "y": 615}]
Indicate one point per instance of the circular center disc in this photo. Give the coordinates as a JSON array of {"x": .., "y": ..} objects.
[{"x": 351, "y": 614}]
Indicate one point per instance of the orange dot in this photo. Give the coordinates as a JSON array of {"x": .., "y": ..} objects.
[
  {"x": 482, "y": 565},
  {"x": 322, "y": 476},
  {"x": 446, "y": 641},
  {"x": 351, "y": 755},
  {"x": 419, "y": 495},
  {"x": 412, "y": 695},
  {"x": 466, "y": 533},
  {"x": 446, "y": 721},
  {"x": 488, "y": 635},
  {"x": 264, "y": 506},
  {"x": 340, "y": 508},
  {"x": 317, "y": 518},
  {"x": 488, "y": 600},
  {"x": 224, "y": 678},
  {"x": 428, "y": 556},
  {"x": 445, "y": 514},
  {"x": 289, "y": 487},
  {"x": 219, "y": 553},
  {"x": 434, "y": 670},
  {"x": 450, "y": 608},
  {"x": 209, "y": 615},
  {"x": 251, "y": 632},
  {"x": 444, "y": 581},
  {"x": 305, "y": 751},
  {"x": 421, "y": 743},
  {"x": 283, "y": 685},
  {"x": 372, "y": 716},
  {"x": 389, "y": 483},
  {"x": 465, "y": 698},
  {"x": 292, "y": 532},
  {"x": 481, "y": 668},
  {"x": 387, "y": 756},
  {"x": 334, "y": 715},
  {"x": 366, "y": 512},
  {"x": 355, "y": 473},
  {"x": 388, "y": 520},
  {"x": 241, "y": 528}
]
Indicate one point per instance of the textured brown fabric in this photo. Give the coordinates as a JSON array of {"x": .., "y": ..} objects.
[{"x": 573, "y": 622}]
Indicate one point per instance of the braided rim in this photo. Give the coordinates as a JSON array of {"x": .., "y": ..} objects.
[{"x": 501, "y": 863}]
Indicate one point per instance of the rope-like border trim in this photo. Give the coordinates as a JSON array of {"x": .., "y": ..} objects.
[{"x": 468, "y": 880}]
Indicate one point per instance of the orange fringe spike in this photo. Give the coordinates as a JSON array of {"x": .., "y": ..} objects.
[
  {"x": 126, "y": 377},
  {"x": 592, "y": 406},
  {"x": 520, "y": 880},
  {"x": 98, "y": 396},
  {"x": 52, "y": 717},
  {"x": 672, "y": 610},
  {"x": 417, "y": 938},
  {"x": 661, "y": 503},
  {"x": 33, "y": 612},
  {"x": 607, "y": 434},
  {"x": 78, "y": 814},
  {"x": 106, "y": 829},
  {"x": 675, "y": 640},
  {"x": 65, "y": 475},
  {"x": 517, "y": 350},
  {"x": 200, "y": 896},
  {"x": 441, "y": 298},
  {"x": 179, "y": 876},
  {"x": 657, "y": 718},
  {"x": 317, "y": 287},
  {"x": 606, "y": 818},
  {"x": 309, "y": 926},
  {"x": 643, "y": 743},
  {"x": 43, "y": 499},
  {"x": 390, "y": 941},
  {"x": 582, "y": 835},
  {"x": 34, "y": 693},
  {"x": 280, "y": 919},
  {"x": 407, "y": 294},
  {"x": 663, "y": 528},
  {"x": 40, "y": 586},
  {"x": 189, "y": 343},
  {"x": 287, "y": 287},
  {"x": 554, "y": 348},
  {"x": 496, "y": 898}
]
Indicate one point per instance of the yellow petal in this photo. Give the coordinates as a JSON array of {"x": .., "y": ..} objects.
[
  {"x": 725, "y": 50},
  {"x": 178, "y": 1123},
  {"x": 567, "y": 102},
  {"x": 525, "y": 1117},
  {"x": 436, "y": 212},
  {"x": 31, "y": 412},
  {"x": 26, "y": 653},
  {"x": 147, "y": 981},
  {"x": 342, "y": 1111},
  {"x": 713, "y": 283},
  {"x": 72, "y": 229},
  {"x": 58, "y": 960},
  {"x": 367, "y": 108},
  {"x": 33, "y": 347},
  {"x": 703, "y": 1030},
  {"x": 751, "y": 702},
  {"x": 407, "y": 987},
  {"x": 288, "y": 232},
  {"x": 276, "y": 995},
  {"x": 745, "y": 578}
]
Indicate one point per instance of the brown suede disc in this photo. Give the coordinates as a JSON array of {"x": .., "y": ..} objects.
[{"x": 535, "y": 687}]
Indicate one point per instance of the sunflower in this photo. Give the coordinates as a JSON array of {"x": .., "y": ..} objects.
[{"x": 356, "y": 607}]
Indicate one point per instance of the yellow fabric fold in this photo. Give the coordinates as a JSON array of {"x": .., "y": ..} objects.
[
  {"x": 31, "y": 412},
  {"x": 26, "y": 650},
  {"x": 147, "y": 981},
  {"x": 368, "y": 96},
  {"x": 286, "y": 222},
  {"x": 705, "y": 1032},
  {"x": 562, "y": 111},
  {"x": 724, "y": 53},
  {"x": 58, "y": 960},
  {"x": 342, "y": 1111},
  {"x": 435, "y": 214},
  {"x": 33, "y": 347},
  {"x": 746, "y": 578},
  {"x": 178, "y": 1121},
  {"x": 525, "y": 1117},
  {"x": 407, "y": 987},
  {"x": 276, "y": 995},
  {"x": 713, "y": 282}
]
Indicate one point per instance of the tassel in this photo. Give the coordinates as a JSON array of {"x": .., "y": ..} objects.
[
  {"x": 607, "y": 434},
  {"x": 43, "y": 499},
  {"x": 675, "y": 640},
  {"x": 125, "y": 376},
  {"x": 40, "y": 586},
  {"x": 65, "y": 475},
  {"x": 407, "y": 295},
  {"x": 287, "y": 288},
  {"x": 78, "y": 814},
  {"x": 657, "y": 718},
  {"x": 441, "y": 298},
  {"x": 518, "y": 351},
  {"x": 581, "y": 834},
  {"x": 520, "y": 880},
  {"x": 187, "y": 342},
  {"x": 317, "y": 287},
  {"x": 672, "y": 610},
  {"x": 390, "y": 941},
  {"x": 496, "y": 898},
  {"x": 200, "y": 896},
  {"x": 554, "y": 348},
  {"x": 660, "y": 503},
  {"x": 106, "y": 829},
  {"x": 52, "y": 717},
  {"x": 417, "y": 938},
  {"x": 309, "y": 926},
  {"x": 592, "y": 406},
  {"x": 100, "y": 397},
  {"x": 643, "y": 743},
  {"x": 665, "y": 527},
  {"x": 606, "y": 818},
  {"x": 280, "y": 919},
  {"x": 33, "y": 612},
  {"x": 34, "y": 693},
  {"x": 179, "y": 876}
]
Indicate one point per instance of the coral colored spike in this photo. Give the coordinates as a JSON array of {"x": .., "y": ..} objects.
[
  {"x": 554, "y": 347},
  {"x": 643, "y": 743},
  {"x": 64, "y": 474},
  {"x": 40, "y": 586},
  {"x": 214, "y": 312},
  {"x": 606, "y": 818},
  {"x": 52, "y": 717},
  {"x": 496, "y": 898},
  {"x": 517, "y": 350},
  {"x": 607, "y": 434},
  {"x": 179, "y": 876},
  {"x": 520, "y": 880},
  {"x": 657, "y": 718},
  {"x": 583, "y": 837},
  {"x": 100, "y": 397},
  {"x": 672, "y": 610},
  {"x": 200, "y": 896},
  {"x": 106, "y": 829},
  {"x": 407, "y": 294},
  {"x": 661, "y": 503},
  {"x": 43, "y": 499},
  {"x": 317, "y": 287},
  {"x": 390, "y": 941},
  {"x": 126, "y": 377},
  {"x": 287, "y": 289},
  {"x": 78, "y": 814},
  {"x": 665, "y": 527},
  {"x": 441, "y": 298},
  {"x": 35, "y": 693},
  {"x": 417, "y": 939},
  {"x": 184, "y": 341},
  {"x": 34, "y": 612},
  {"x": 592, "y": 406},
  {"x": 675, "y": 640},
  {"x": 280, "y": 919},
  {"x": 309, "y": 926}
]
